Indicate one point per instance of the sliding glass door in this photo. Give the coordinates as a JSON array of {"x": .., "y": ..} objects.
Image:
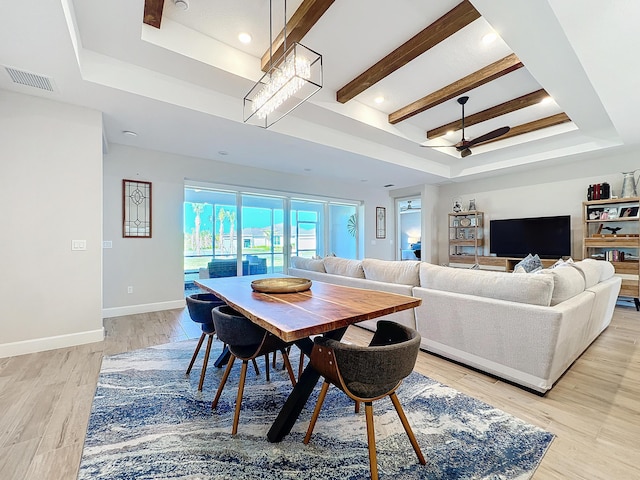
[
  {"x": 229, "y": 233},
  {"x": 262, "y": 234}
]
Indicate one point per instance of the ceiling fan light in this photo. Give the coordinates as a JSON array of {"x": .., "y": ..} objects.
[{"x": 465, "y": 153}]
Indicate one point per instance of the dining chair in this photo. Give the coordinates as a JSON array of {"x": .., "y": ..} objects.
[
  {"x": 246, "y": 341},
  {"x": 200, "y": 306},
  {"x": 368, "y": 373}
]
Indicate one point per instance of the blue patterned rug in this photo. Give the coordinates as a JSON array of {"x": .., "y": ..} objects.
[{"x": 148, "y": 421}]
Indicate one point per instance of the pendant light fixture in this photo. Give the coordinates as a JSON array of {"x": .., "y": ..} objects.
[{"x": 290, "y": 81}]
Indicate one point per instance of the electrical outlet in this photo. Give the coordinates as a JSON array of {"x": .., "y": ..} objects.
[
  {"x": 129, "y": 289},
  {"x": 78, "y": 244}
]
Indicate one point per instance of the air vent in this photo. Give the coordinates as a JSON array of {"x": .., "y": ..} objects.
[{"x": 30, "y": 79}]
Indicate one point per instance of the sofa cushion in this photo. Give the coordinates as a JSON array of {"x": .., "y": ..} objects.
[
  {"x": 531, "y": 289},
  {"x": 406, "y": 272},
  {"x": 591, "y": 270},
  {"x": 568, "y": 282},
  {"x": 307, "y": 264},
  {"x": 607, "y": 270},
  {"x": 343, "y": 266}
]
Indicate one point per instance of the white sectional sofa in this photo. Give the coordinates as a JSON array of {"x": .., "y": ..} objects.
[{"x": 525, "y": 328}]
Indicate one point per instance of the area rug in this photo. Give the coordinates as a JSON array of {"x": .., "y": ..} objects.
[{"x": 148, "y": 421}]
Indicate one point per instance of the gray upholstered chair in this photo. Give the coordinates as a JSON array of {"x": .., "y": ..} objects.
[
  {"x": 245, "y": 341},
  {"x": 200, "y": 306},
  {"x": 368, "y": 373}
]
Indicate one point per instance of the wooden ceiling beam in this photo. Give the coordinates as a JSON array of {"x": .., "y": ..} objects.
[
  {"x": 557, "y": 119},
  {"x": 451, "y": 22},
  {"x": 495, "y": 70},
  {"x": 153, "y": 12},
  {"x": 305, "y": 17},
  {"x": 524, "y": 101}
]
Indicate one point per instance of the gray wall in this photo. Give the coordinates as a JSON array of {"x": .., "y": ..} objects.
[
  {"x": 50, "y": 194},
  {"x": 154, "y": 267}
]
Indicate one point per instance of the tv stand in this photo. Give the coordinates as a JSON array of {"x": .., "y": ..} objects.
[{"x": 504, "y": 264}]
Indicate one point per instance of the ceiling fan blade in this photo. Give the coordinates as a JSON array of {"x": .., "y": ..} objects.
[
  {"x": 487, "y": 136},
  {"x": 438, "y": 146}
]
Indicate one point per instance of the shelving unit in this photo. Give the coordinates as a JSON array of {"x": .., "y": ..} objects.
[
  {"x": 612, "y": 232},
  {"x": 466, "y": 238}
]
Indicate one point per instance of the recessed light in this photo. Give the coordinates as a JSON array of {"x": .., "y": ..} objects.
[
  {"x": 388, "y": 185},
  {"x": 450, "y": 132},
  {"x": 181, "y": 4},
  {"x": 129, "y": 133},
  {"x": 244, "y": 38},
  {"x": 546, "y": 101},
  {"x": 489, "y": 38},
  {"x": 307, "y": 169},
  {"x": 223, "y": 152},
  {"x": 379, "y": 99}
]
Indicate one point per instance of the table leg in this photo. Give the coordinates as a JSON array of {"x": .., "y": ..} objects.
[
  {"x": 298, "y": 397},
  {"x": 223, "y": 358}
]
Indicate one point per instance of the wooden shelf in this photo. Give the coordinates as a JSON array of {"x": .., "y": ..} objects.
[
  {"x": 595, "y": 243},
  {"x": 466, "y": 237}
]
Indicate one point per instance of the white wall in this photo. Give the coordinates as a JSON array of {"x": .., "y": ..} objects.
[
  {"x": 556, "y": 190},
  {"x": 50, "y": 194},
  {"x": 154, "y": 267}
]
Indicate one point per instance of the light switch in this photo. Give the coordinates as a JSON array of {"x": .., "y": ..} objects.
[
  {"x": 78, "y": 244},
  {"x": 107, "y": 244}
]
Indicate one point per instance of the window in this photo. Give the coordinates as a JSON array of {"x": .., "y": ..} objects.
[{"x": 220, "y": 223}]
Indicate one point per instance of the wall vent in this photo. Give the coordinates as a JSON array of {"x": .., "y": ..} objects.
[{"x": 30, "y": 79}]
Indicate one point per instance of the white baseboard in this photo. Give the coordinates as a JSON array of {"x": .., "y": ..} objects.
[
  {"x": 50, "y": 343},
  {"x": 143, "y": 308}
]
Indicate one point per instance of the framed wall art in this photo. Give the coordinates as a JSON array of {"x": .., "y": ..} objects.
[
  {"x": 136, "y": 209},
  {"x": 381, "y": 222}
]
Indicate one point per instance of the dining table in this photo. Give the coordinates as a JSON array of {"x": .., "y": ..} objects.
[{"x": 322, "y": 309}]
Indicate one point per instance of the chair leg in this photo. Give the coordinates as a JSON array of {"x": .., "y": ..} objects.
[
  {"x": 316, "y": 411},
  {"x": 357, "y": 409},
  {"x": 236, "y": 415},
  {"x": 266, "y": 364},
  {"x": 227, "y": 371},
  {"x": 287, "y": 364},
  {"x": 205, "y": 363},
  {"x": 407, "y": 428},
  {"x": 255, "y": 366},
  {"x": 371, "y": 440},
  {"x": 195, "y": 354}
]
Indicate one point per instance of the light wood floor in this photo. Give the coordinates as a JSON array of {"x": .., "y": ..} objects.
[{"x": 45, "y": 399}]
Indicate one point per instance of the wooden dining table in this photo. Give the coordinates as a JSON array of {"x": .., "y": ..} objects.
[{"x": 325, "y": 309}]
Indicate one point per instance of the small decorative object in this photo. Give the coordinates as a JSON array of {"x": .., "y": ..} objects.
[
  {"x": 613, "y": 230},
  {"x": 472, "y": 205},
  {"x": 457, "y": 205},
  {"x": 612, "y": 213},
  {"x": 629, "y": 184},
  {"x": 381, "y": 222},
  {"x": 461, "y": 235},
  {"x": 465, "y": 222},
  {"x": 456, "y": 222},
  {"x": 136, "y": 209},
  {"x": 281, "y": 285},
  {"x": 472, "y": 235}
]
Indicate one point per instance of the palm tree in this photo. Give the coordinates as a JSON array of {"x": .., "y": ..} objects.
[
  {"x": 231, "y": 215},
  {"x": 198, "y": 208},
  {"x": 222, "y": 214}
]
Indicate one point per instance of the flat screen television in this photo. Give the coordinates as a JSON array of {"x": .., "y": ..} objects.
[{"x": 549, "y": 237}]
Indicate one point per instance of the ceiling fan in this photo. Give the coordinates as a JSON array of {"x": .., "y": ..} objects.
[{"x": 464, "y": 145}]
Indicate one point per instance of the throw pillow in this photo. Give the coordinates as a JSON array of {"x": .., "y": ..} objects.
[{"x": 530, "y": 263}]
